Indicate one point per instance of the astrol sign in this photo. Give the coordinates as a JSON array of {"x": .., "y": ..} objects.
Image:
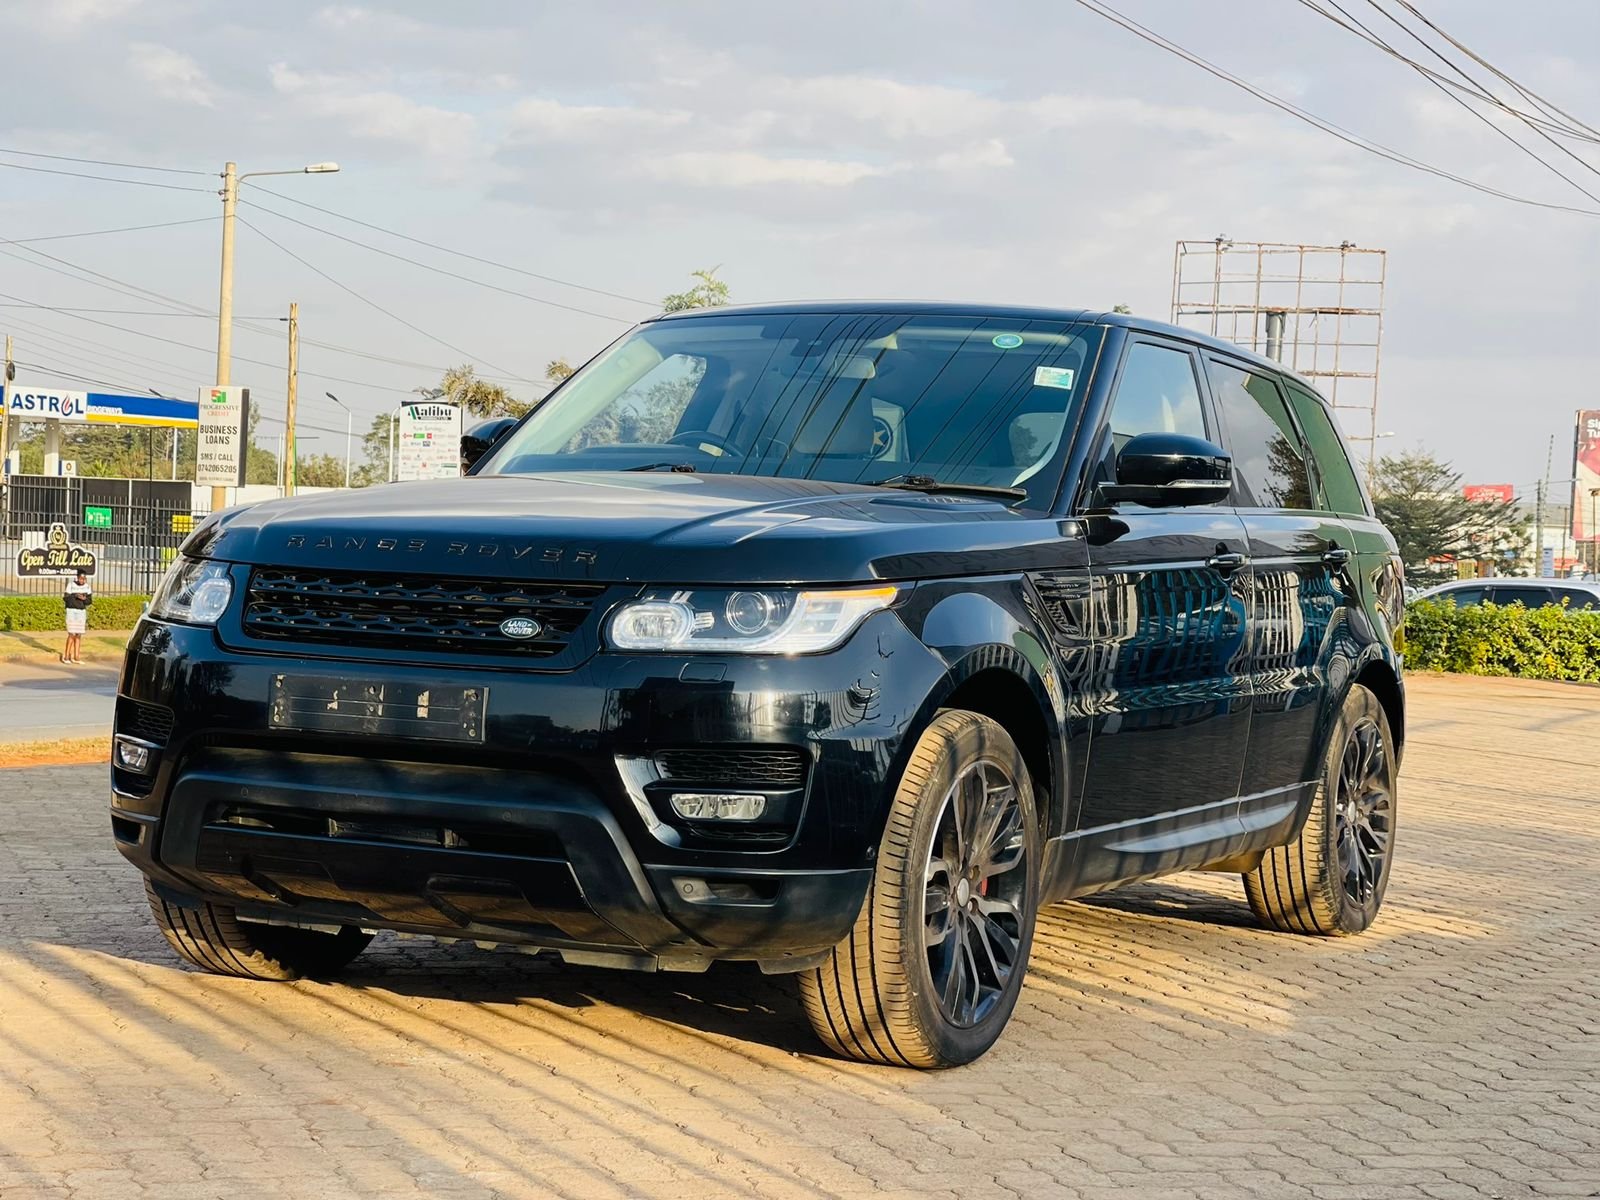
[
  {"x": 1586, "y": 477},
  {"x": 1502, "y": 492},
  {"x": 224, "y": 421}
]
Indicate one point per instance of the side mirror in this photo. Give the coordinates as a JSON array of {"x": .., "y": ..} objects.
[
  {"x": 478, "y": 440},
  {"x": 1167, "y": 470}
]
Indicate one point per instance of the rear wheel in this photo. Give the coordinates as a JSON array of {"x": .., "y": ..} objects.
[
  {"x": 1331, "y": 879},
  {"x": 212, "y": 938},
  {"x": 930, "y": 974}
]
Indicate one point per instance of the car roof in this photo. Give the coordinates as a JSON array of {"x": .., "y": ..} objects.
[
  {"x": 1018, "y": 312},
  {"x": 1516, "y": 581}
]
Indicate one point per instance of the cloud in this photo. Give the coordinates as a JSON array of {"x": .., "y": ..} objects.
[
  {"x": 172, "y": 74},
  {"x": 70, "y": 16},
  {"x": 378, "y": 114},
  {"x": 538, "y": 119},
  {"x": 987, "y": 155},
  {"x": 744, "y": 168}
]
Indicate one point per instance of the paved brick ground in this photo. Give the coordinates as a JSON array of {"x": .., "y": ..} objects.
[{"x": 1163, "y": 1047}]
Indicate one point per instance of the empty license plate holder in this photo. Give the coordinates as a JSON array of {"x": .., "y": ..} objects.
[{"x": 319, "y": 704}]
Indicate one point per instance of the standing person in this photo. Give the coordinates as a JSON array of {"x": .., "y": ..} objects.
[{"x": 78, "y": 598}]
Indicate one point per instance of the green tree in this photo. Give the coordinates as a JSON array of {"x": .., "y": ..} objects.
[
  {"x": 708, "y": 292},
  {"x": 1419, "y": 498},
  {"x": 260, "y": 464},
  {"x": 476, "y": 397},
  {"x": 321, "y": 470},
  {"x": 1121, "y": 308},
  {"x": 375, "y": 445}
]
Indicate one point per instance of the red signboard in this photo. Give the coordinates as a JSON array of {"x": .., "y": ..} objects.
[
  {"x": 1489, "y": 491},
  {"x": 1586, "y": 478}
]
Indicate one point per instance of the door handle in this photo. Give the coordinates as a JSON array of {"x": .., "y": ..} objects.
[
  {"x": 1336, "y": 556},
  {"x": 1227, "y": 563}
]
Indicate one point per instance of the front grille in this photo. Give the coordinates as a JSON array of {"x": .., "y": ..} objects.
[
  {"x": 411, "y": 612},
  {"x": 147, "y": 722},
  {"x": 755, "y": 768}
]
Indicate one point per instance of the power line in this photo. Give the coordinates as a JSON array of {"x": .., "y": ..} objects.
[
  {"x": 370, "y": 303},
  {"x": 136, "y": 312},
  {"x": 206, "y": 350},
  {"x": 406, "y": 237},
  {"x": 58, "y": 237},
  {"x": 64, "y": 374},
  {"x": 1471, "y": 87},
  {"x": 171, "y": 187},
  {"x": 417, "y": 262},
  {"x": 1529, "y": 95},
  {"x": 1344, "y": 135},
  {"x": 100, "y": 162},
  {"x": 1356, "y": 26}
]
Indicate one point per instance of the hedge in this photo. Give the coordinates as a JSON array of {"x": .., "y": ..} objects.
[
  {"x": 1487, "y": 639},
  {"x": 47, "y": 614}
]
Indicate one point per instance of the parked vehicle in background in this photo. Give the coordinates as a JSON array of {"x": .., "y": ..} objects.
[
  {"x": 836, "y": 638},
  {"x": 1531, "y": 593}
]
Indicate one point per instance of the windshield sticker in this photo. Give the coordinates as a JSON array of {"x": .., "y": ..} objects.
[
  {"x": 1007, "y": 341},
  {"x": 1053, "y": 377}
]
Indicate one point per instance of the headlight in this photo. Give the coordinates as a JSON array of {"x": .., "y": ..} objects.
[
  {"x": 195, "y": 590},
  {"x": 744, "y": 620}
]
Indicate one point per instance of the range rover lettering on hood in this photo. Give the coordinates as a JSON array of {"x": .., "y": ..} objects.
[{"x": 516, "y": 552}]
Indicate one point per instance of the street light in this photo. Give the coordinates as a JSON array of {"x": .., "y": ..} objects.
[
  {"x": 341, "y": 404},
  {"x": 230, "y": 202},
  {"x": 1594, "y": 533}
]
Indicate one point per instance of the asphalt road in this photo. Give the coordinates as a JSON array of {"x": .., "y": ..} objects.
[
  {"x": 39, "y": 703},
  {"x": 1165, "y": 1047}
]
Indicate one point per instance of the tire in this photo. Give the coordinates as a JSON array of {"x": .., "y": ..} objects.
[
  {"x": 212, "y": 938},
  {"x": 1330, "y": 880},
  {"x": 895, "y": 991}
]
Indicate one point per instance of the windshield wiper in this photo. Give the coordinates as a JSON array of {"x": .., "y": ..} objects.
[
  {"x": 679, "y": 468},
  {"x": 927, "y": 483}
]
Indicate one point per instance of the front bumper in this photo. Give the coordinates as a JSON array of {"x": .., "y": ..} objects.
[{"x": 529, "y": 833}]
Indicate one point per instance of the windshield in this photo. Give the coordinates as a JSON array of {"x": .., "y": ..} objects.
[{"x": 848, "y": 398}]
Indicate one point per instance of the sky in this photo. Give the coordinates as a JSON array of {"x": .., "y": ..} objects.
[{"x": 1027, "y": 152}]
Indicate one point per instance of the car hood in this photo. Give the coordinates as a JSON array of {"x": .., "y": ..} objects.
[{"x": 627, "y": 528}]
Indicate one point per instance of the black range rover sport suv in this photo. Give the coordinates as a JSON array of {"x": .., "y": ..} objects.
[{"x": 837, "y": 638}]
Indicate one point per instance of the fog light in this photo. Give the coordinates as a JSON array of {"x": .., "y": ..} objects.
[
  {"x": 718, "y": 806},
  {"x": 132, "y": 755}
]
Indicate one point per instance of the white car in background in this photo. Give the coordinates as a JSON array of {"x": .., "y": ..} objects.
[{"x": 1532, "y": 593}]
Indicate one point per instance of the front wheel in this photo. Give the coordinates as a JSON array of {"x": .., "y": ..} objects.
[
  {"x": 211, "y": 937},
  {"x": 929, "y": 975},
  {"x": 1331, "y": 879}
]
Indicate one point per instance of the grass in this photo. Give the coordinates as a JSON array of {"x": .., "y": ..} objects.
[
  {"x": 99, "y": 646},
  {"x": 59, "y": 752}
]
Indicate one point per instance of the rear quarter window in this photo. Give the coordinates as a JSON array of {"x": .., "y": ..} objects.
[{"x": 1341, "y": 490}]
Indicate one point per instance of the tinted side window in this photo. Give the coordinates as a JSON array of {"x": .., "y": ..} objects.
[
  {"x": 1158, "y": 393},
  {"x": 1269, "y": 465},
  {"x": 1465, "y": 596},
  {"x": 1529, "y": 597},
  {"x": 1341, "y": 492},
  {"x": 1576, "y": 598}
]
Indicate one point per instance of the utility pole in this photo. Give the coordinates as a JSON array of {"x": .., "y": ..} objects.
[
  {"x": 1538, "y": 528},
  {"x": 230, "y": 204},
  {"x": 294, "y": 387},
  {"x": 1538, "y": 511},
  {"x": 5, "y": 417}
]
